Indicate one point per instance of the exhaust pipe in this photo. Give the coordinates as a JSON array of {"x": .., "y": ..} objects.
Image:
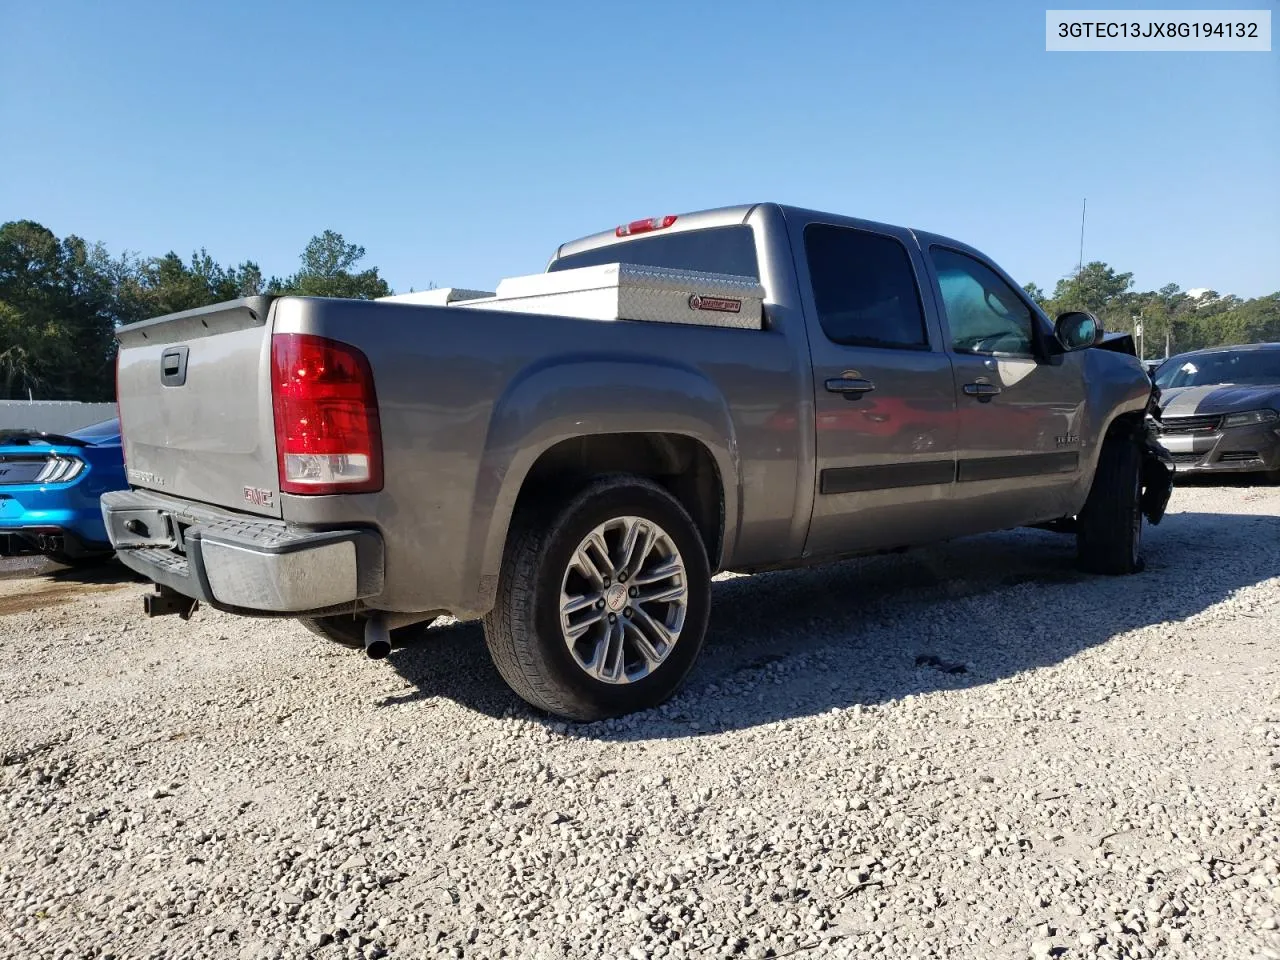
[
  {"x": 377, "y": 638},
  {"x": 377, "y": 630}
]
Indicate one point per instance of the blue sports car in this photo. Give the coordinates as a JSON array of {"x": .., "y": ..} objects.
[{"x": 49, "y": 490}]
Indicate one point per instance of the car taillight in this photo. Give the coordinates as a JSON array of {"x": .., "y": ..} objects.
[
  {"x": 328, "y": 437},
  {"x": 60, "y": 469},
  {"x": 644, "y": 226}
]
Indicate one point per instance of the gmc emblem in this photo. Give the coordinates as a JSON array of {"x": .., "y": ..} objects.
[{"x": 258, "y": 497}]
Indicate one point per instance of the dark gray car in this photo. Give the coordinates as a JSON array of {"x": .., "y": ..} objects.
[{"x": 1220, "y": 409}]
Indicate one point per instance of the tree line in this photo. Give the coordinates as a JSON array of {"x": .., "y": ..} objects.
[
  {"x": 1169, "y": 316},
  {"x": 61, "y": 301}
]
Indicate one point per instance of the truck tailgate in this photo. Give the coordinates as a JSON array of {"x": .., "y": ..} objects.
[{"x": 195, "y": 405}]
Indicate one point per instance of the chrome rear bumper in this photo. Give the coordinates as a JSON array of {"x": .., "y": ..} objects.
[{"x": 242, "y": 563}]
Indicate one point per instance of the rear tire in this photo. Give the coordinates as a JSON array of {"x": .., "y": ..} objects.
[
  {"x": 587, "y": 627},
  {"x": 1109, "y": 528},
  {"x": 348, "y": 630}
]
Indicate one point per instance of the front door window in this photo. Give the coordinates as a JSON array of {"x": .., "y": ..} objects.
[{"x": 983, "y": 312}]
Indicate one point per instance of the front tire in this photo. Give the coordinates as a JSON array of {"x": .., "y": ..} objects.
[
  {"x": 1109, "y": 528},
  {"x": 602, "y": 602}
]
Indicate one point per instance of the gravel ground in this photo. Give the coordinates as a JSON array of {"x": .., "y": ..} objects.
[{"x": 969, "y": 751}]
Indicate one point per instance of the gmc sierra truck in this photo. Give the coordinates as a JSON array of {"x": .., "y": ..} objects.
[{"x": 572, "y": 457}]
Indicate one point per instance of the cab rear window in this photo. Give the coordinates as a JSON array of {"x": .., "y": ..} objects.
[{"x": 730, "y": 250}]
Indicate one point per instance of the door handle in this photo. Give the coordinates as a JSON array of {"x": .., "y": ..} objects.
[
  {"x": 982, "y": 390},
  {"x": 173, "y": 366},
  {"x": 851, "y": 387}
]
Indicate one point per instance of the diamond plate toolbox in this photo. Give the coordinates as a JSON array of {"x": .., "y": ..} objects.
[{"x": 624, "y": 291}]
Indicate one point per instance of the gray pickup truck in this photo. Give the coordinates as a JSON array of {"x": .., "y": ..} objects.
[{"x": 368, "y": 466}]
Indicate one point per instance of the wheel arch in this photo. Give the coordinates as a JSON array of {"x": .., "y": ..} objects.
[
  {"x": 559, "y": 426},
  {"x": 680, "y": 464}
]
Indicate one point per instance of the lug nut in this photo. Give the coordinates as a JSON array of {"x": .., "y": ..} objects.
[
  {"x": 600, "y": 604},
  {"x": 613, "y": 617},
  {"x": 626, "y": 612},
  {"x": 634, "y": 592},
  {"x": 622, "y": 578}
]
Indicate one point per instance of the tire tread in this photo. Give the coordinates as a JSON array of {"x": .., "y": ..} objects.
[
  {"x": 509, "y": 628},
  {"x": 1104, "y": 523}
]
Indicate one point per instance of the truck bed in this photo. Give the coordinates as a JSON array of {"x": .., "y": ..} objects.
[{"x": 455, "y": 420}]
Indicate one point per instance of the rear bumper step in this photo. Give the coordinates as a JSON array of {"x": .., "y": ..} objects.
[{"x": 242, "y": 563}]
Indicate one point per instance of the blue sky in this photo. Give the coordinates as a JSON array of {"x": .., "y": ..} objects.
[{"x": 460, "y": 142}]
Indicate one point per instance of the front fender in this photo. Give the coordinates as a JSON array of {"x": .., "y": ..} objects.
[
  {"x": 586, "y": 395},
  {"x": 1115, "y": 386}
]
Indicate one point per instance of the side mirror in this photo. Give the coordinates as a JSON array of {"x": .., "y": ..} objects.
[{"x": 1076, "y": 330}]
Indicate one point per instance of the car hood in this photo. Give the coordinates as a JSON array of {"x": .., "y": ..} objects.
[{"x": 1218, "y": 398}]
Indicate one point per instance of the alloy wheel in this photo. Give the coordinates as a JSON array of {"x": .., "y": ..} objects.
[{"x": 623, "y": 600}]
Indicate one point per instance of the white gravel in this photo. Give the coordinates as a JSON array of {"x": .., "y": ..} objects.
[{"x": 969, "y": 751}]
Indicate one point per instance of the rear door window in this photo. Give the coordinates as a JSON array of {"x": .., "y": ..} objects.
[
  {"x": 864, "y": 288},
  {"x": 730, "y": 250}
]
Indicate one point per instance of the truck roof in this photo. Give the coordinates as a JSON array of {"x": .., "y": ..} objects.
[
  {"x": 698, "y": 220},
  {"x": 739, "y": 214}
]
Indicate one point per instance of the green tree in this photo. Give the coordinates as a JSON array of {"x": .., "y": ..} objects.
[
  {"x": 328, "y": 270},
  {"x": 61, "y": 301},
  {"x": 1169, "y": 315},
  {"x": 1099, "y": 289},
  {"x": 1228, "y": 319},
  {"x": 58, "y": 318},
  {"x": 19, "y": 373},
  {"x": 160, "y": 285},
  {"x": 1260, "y": 318}
]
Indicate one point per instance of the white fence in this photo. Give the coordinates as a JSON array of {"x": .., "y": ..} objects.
[{"x": 52, "y": 416}]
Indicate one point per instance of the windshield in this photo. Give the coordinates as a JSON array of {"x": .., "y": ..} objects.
[{"x": 1248, "y": 367}]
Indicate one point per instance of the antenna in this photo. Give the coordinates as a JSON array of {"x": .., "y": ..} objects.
[{"x": 1080, "y": 265}]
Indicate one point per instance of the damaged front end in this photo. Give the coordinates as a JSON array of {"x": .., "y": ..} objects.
[{"x": 1157, "y": 463}]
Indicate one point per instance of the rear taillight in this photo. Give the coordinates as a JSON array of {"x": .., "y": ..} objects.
[
  {"x": 644, "y": 226},
  {"x": 328, "y": 438},
  {"x": 60, "y": 469}
]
